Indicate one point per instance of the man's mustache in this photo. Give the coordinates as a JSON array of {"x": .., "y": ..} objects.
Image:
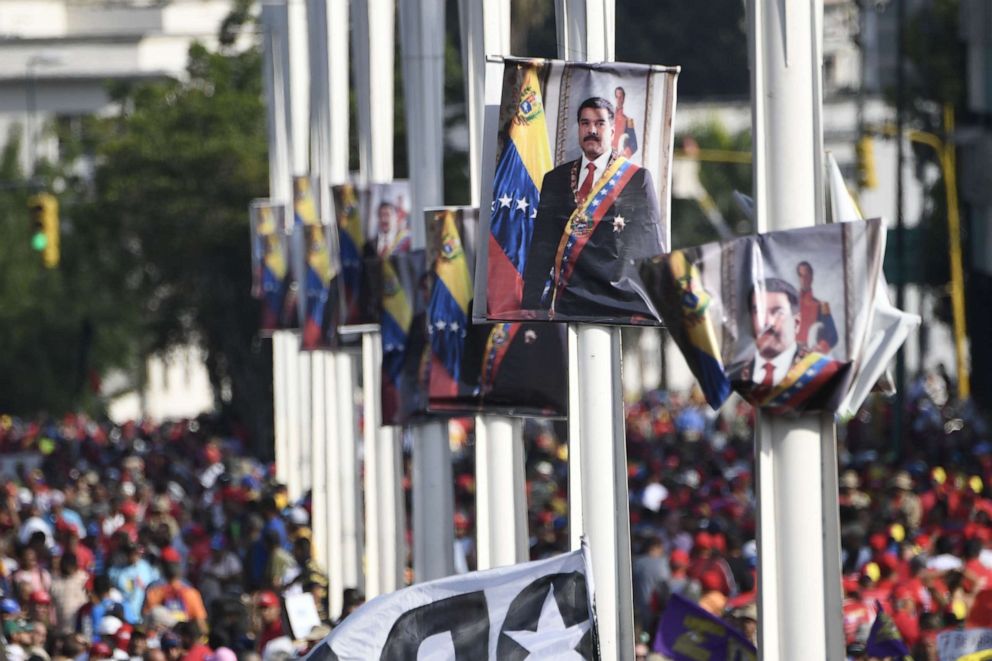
[{"x": 594, "y": 138}]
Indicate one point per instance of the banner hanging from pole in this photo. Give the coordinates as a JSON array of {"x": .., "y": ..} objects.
[
  {"x": 373, "y": 224},
  {"x": 508, "y": 368},
  {"x": 782, "y": 318},
  {"x": 405, "y": 352},
  {"x": 318, "y": 266},
  {"x": 272, "y": 279},
  {"x": 577, "y": 173}
]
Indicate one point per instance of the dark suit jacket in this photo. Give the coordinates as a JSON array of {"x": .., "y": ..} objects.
[
  {"x": 602, "y": 284},
  {"x": 533, "y": 377}
]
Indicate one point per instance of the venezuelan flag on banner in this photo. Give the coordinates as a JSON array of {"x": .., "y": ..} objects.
[
  {"x": 351, "y": 239},
  {"x": 447, "y": 311},
  {"x": 397, "y": 313},
  {"x": 304, "y": 204},
  {"x": 525, "y": 159},
  {"x": 318, "y": 272},
  {"x": 272, "y": 268},
  {"x": 699, "y": 328}
]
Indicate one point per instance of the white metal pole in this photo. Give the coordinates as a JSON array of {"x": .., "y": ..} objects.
[
  {"x": 299, "y": 142},
  {"x": 795, "y": 620},
  {"x": 485, "y": 29},
  {"x": 348, "y": 466},
  {"x": 423, "y": 68},
  {"x": 433, "y": 504},
  {"x": 502, "y": 524},
  {"x": 385, "y": 522},
  {"x": 576, "y": 520},
  {"x": 585, "y": 32},
  {"x": 275, "y": 59},
  {"x": 334, "y": 558},
  {"x": 294, "y": 480},
  {"x": 318, "y": 458}
]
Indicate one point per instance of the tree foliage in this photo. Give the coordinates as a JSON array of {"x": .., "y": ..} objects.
[{"x": 176, "y": 171}]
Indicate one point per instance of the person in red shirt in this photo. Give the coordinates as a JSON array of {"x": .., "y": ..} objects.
[
  {"x": 191, "y": 642},
  {"x": 270, "y": 617},
  {"x": 857, "y": 615},
  {"x": 905, "y": 616},
  {"x": 68, "y": 537}
]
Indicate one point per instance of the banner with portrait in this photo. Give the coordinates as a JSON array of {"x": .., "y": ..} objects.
[
  {"x": 373, "y": 224},
  {"x": 272, "y": 278},
  {"x": 405, "y": 353},
  {"x": 317, "y": 265},
  {"x": 576, "y": 170},
  {"x": 510, "y": 368},
  {"x": 781, "y": 318}
]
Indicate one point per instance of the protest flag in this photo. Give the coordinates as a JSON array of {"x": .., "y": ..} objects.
[
  {"x": 687, "y": 632},
  {"x": 884, "y": 640},
  {"x": 539, "y": 609},
  {"x": 525, "y": 159}
]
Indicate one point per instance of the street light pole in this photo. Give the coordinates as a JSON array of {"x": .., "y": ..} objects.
[{"x": 948, "y": 165}]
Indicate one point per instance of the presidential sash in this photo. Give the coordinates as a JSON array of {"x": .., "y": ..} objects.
[
  {"x": 804, "y": 378},
  {"x": 582, "y": 223},
  {"x": 497, "y": 345}
]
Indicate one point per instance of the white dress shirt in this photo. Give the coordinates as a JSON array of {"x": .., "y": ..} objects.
[
  {"x": 781, "y": 362},
  {"x": 600, "y": 163}
]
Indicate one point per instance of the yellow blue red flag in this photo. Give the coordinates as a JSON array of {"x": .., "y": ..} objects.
[{"x": 525, "y": 159}]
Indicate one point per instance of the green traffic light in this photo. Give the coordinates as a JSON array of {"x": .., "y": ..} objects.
[{"x": 39, "y": 241}]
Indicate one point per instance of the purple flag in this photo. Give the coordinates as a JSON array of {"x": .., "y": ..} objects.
[
  {"x": 884, "y": 639},
  {"x": 686, "y": 632}
]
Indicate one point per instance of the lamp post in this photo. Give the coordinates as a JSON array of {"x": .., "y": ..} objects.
[
  {"x": 945, "y": 155},
  {"x": 35, "y": 61}
]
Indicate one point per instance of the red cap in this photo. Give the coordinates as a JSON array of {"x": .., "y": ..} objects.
[
  {"x": 100, "y": 649},
  {"x": 878, "y": 541},
  {"x": 122, "y": 639},
  {"x": 704, "y": 540},
  {"x": 267, "y": 599},
  {"x": 169, "y": 554},
  {"x": 40, "y": 597},
  {"x": 678, "y": 558},
  {"x": 711, "y": 580}
]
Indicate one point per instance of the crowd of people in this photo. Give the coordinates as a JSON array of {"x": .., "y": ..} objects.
[{"x": 142, "y": 541}]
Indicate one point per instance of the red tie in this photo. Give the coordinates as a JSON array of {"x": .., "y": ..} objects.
[
  {"x": 766, "y": 383},
  {"x": 586, "y": 183}
]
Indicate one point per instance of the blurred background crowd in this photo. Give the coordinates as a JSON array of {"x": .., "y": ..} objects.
[{"x": 169, "y": 541}]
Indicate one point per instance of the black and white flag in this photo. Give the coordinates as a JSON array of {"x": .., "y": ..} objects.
[{"x": 534, "y": 610}]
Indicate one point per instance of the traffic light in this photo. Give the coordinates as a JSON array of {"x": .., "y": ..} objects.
[
  {"x": 44, "y": 210},
  {"x": 867, "y": 177}
]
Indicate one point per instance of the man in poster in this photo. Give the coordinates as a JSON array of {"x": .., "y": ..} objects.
[
  {"x": 598, "y": 215},
  {"x": 782, "y": 374},
  {"x": 817, "y": 329}
]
